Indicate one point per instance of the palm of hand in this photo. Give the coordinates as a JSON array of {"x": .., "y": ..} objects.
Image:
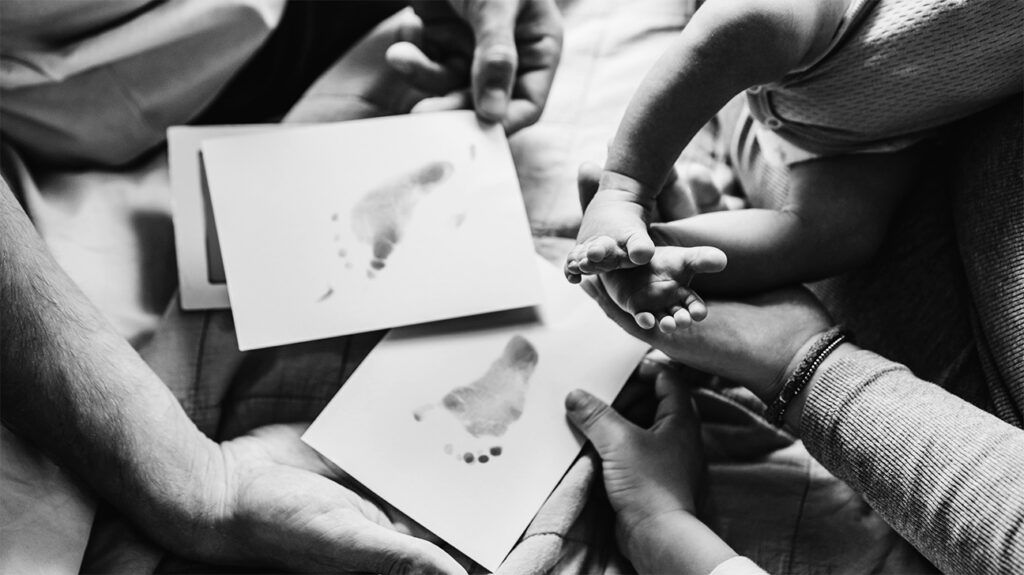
[{"x": 285, "y": 508}]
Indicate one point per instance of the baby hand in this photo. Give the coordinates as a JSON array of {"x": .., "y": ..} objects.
[
  {"x": 648, "y": 474},
  {"x": 659, "y": 293}
]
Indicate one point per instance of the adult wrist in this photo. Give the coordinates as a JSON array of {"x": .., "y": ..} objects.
[
  {"x": 187, "y": 517},
  {"x": 798, "y": 379},
  {"x": 781, "y": 377},
  {"x": 794, "y": 414}
]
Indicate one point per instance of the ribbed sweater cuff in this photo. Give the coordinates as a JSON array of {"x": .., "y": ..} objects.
[
  {"x": 843, "y": 383},
  {"x": 943, "y": 473}
]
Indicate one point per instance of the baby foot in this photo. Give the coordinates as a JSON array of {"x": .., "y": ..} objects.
[
  {"x": 659, "y": 293},
  {"x": 487, "y": 407},
  {"x": 613, "y": 234},
  {"x": 380, "y": 218}
]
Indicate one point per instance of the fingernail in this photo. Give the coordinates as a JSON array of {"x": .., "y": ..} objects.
[
  {"x": 493, "y": 103},
  {"x": 576, "y": 399},
  {"x": 401, "y": 65},
  {"x": 588, "y": 288}
]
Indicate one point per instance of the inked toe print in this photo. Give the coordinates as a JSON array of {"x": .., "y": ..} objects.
[
  {"x": 379, "y": 219},
  {"x": 487, "y": 407},
  {"x": 377, "y": 222}
]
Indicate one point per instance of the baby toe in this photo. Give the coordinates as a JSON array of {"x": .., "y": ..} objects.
[
  {"x": 696, "y": 307},
  {"x": 600, "y": 249},
  {"x": 667, "y": 324},
  {"x": 645, "y": 320},
  {"x": 640, "y": 248},
  {"x": 682, "y": 318}
]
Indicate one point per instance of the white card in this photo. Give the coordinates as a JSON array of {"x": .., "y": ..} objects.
[
  {"x": 200, "y": 269},
  {"x": 357, "y": 226},
  {"x": 461, "y": 424}
]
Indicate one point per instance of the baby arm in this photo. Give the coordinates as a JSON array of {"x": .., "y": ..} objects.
[{"x": 727, "y": 46}]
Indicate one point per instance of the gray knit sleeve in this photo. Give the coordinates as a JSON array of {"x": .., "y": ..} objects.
[{"x": 947, "y": 476}]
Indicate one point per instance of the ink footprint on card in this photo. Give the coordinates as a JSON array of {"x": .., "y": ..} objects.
[
  {"x": 484, "y": 409},
  {"x": 378, "y": 222}
]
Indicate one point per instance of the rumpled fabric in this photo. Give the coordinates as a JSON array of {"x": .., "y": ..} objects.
[{"x": 767, "y": 497}]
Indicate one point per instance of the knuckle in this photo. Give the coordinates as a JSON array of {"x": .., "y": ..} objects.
[
  {"x": 407, "y": 559},
  {"x": 592, "y": 412},
  {"x": 498, "y": 58},
  {"x": 402, "y": 564}
]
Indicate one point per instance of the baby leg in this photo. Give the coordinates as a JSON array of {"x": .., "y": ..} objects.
[{"x": 659, "y": 293}]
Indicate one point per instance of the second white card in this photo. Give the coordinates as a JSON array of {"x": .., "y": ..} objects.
[{"x": 461, "y": 425}]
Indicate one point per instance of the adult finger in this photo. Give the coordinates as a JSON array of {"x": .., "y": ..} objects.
[
  {"x": 598, "y": 422},
  {"x": 539, "y": 44},
  {"x": 454, "y": 101},
  {"x": 378, "y": 549},
  {"x": 675, "y": 201},
  {"x": 674, "y": 399},
  {"x": 593, "y": 287},
  {"x": 521, "y": 113},
  {"x": 420, "y": 71},
  {"x": 495, "y": 58},
  {"x": 698, "y": 180},
  {"x": 588, "y": 180},
  {"x": 537, "y": 65}
]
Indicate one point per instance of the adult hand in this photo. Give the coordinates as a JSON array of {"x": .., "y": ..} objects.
[
  {"x": 752, "y": 341},
  {"x": 281, "y": 505},
  {"x": 508, "y": 48}
]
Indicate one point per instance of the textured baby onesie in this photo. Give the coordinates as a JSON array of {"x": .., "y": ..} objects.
[{"x": 895, "y": 70}]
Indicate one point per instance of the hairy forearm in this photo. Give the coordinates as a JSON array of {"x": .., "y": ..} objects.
[
  {"x": 78, "y": 391},
  {"x": 766, "y": 249}
]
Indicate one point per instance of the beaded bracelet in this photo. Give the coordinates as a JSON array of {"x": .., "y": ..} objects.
[{"x": 796, "y": 383}]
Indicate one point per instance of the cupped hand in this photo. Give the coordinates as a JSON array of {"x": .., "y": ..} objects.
[
  {"x": 750, "y": 341},
  {"x": 648, "y": 473},
  {"x": 281, "y": 504},
  {"x": 506, "y": 51}
]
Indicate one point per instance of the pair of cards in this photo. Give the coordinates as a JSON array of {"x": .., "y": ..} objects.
[
  {"x": 322, "y": 231},
  {"x": 344, "y": 228}
]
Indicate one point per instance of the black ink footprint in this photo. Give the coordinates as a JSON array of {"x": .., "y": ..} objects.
[
  {"x": 488, "y": 406},
  {"x": 379, "y": 219}
]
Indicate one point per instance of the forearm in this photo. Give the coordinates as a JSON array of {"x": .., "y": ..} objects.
[
  {"x": 78, "y": 391},
  {"x": 945, "y": 474},
  {"x": 766, "y": 249},
  {"x": 678, "y": 543}
]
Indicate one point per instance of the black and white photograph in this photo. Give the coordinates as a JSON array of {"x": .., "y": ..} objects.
[{"x": 522, "y": 287}]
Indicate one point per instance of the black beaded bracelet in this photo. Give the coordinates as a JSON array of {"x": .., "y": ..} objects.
[{"x": 796, "y": 383}]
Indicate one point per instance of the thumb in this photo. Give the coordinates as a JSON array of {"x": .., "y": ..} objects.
[
  {"x": 588, "y": 180},
  {"x": 389, "y": 552},
  {"x": 495, "y": 59},
  {"x": 601, "y": 424}
]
